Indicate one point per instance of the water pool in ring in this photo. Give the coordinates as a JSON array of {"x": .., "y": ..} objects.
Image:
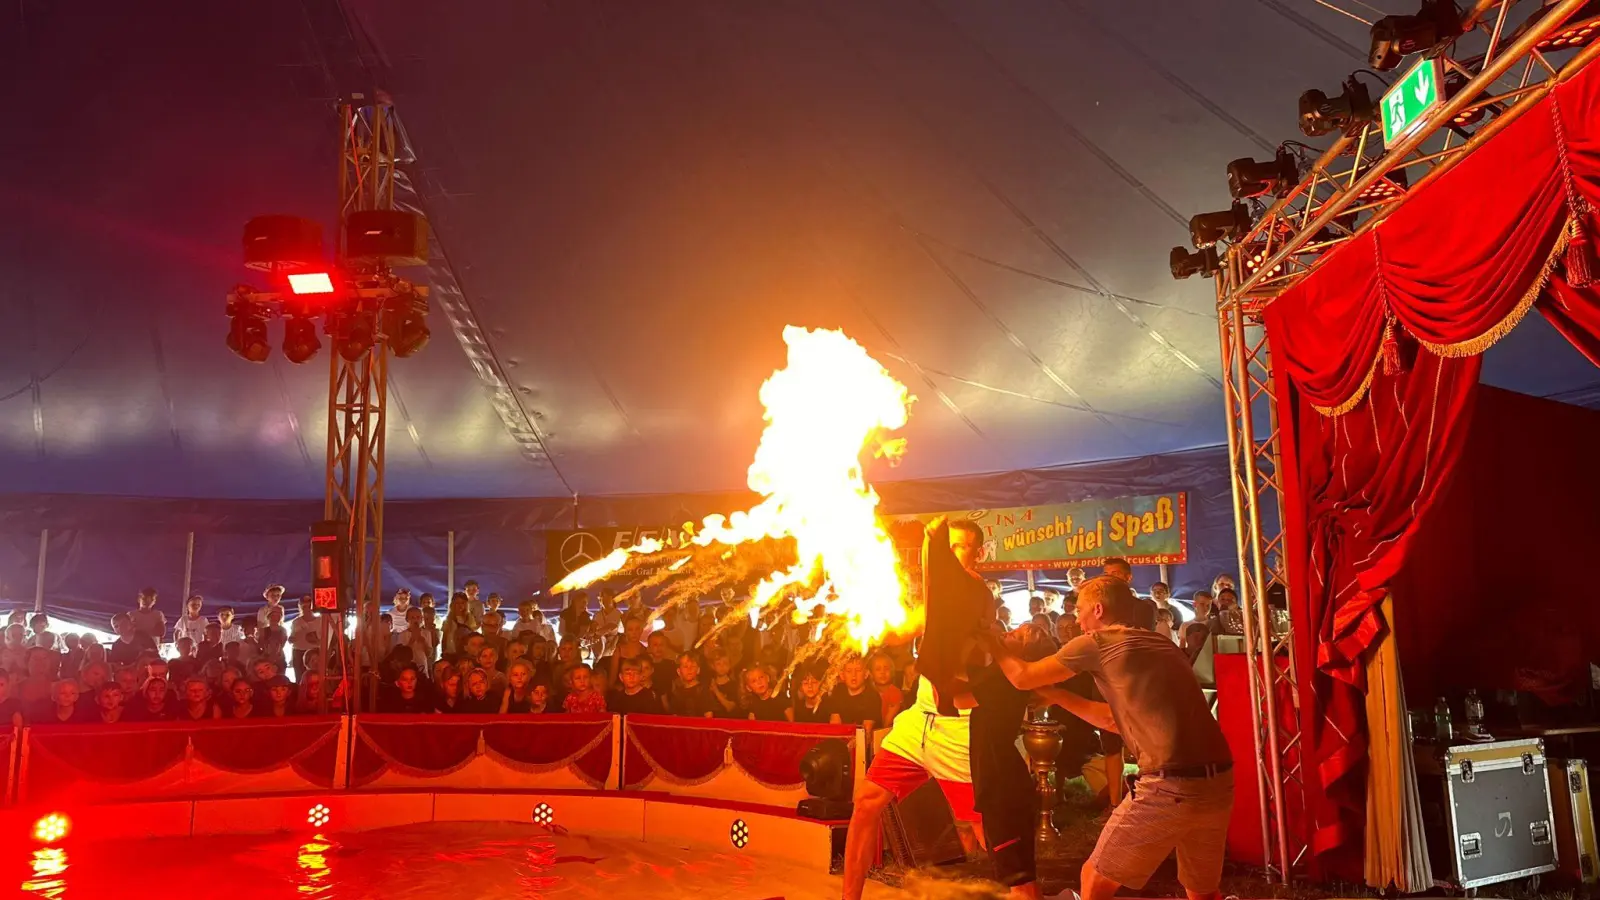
[{"x": 473, "y": 860}]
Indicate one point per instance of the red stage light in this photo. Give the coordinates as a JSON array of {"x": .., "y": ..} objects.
[
  {"x": 52, "y": 828},
  {"x": 317, "y": 816},
  {"x": 311, "y": 283}
]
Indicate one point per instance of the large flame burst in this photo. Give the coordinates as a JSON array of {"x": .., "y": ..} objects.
[{"x": 815, "y": 538}]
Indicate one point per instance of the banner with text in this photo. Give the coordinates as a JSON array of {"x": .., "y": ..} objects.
[
  {"x": 569, "y": 549},
  {"x": 1151, "y": 530}
]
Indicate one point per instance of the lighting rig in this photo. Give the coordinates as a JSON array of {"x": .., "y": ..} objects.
[
  {"x": 1486, "y": 63},
  {"x": 367, "y": 312}
]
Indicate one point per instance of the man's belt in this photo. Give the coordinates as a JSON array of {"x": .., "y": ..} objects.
[{"x": 1210, "y": 770}]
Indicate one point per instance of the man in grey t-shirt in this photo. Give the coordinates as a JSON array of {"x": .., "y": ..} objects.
[{"x": 1185, "y": 790}]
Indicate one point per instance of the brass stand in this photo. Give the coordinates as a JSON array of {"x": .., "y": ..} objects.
[{"x": 1042, "y": 740}]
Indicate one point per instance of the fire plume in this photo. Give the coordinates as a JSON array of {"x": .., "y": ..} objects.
[{"x": 816, "y": 532}]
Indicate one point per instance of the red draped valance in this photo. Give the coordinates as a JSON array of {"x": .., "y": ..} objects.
[
  {"x": 684, "y": 751},
  {"x": 447, "y": 744}
]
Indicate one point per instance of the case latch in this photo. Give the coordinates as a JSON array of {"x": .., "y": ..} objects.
[
  {"x": 1466, "y": 771},
  {"x": 1527, "y": 763},
  {"x": 1575, "y": 781},
  {"x": 1471, "y": 845},
  {"x": 1540, "y": 832}
]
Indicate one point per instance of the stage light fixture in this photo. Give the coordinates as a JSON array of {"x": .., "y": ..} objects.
[
  {"x": 1396, "y": 37},
  {"x": 1579, "y": 30},
  {"x": 247, "y": 330},
  {"x": 1203, "y": 262},
  {"x": 1254, "y": 256},
  {"x": 52, "y": 828},
  {"x": 827, "y": 770},
  {"x": 405, "y": 323},
  {"x": 311, "y": 282},
  {"x": 1249, "y": 178},
  {"x": 544, "y": 814},
  {"x": 317, "y": 816},
  {"x": 353, "y": 334},
  {"x": 300, "y": 341},
  {"x": 1390, "y": 186},
  {"x": 1348, "y": 112},
  {"x": 1232, "y": 223}
]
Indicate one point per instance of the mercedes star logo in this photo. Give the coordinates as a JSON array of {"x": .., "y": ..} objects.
[{"x": 580, "y": 549}]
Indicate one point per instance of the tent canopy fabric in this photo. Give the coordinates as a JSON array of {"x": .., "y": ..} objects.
[{"x": 637, "y": 198}]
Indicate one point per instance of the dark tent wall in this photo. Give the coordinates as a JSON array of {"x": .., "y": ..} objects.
[{"x": 100, "y": 550}]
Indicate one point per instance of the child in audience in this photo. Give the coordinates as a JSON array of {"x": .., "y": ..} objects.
[
  {"x": 197, "y": 705},
  {"x": 109, "y": 704},
  {"x": 539, "y": 701},
  {"x": 584, "y": 697},
  {"x": 688, "y": 696},
  {"x": 278, "y": 702},
  {"x": 128, "y": 678},
  {"x": 631, "y": 695},
  {"x": 449, "y": 699},
  {"x": 154, "y": 705},
  {"x": 250, "y": 647},
  {"x": 14, "y": 652},
  {"x": 724, "y": 689},
  {"x": 854, "y": 702},
  {"x": 230, "y": 630},
  {"x": 242, "y": 696},
  {"x": 274, "y": 637},
  {"x": 406, "y": 695},
  {"x": 489, "y": 661},
  {"x": 518, "y": 695},
  {"x": 762, "y": 701},
  {"x": 810, "y": 704},
  {"x": 149, "y": 623},
  {"x": 39, "y": 627},
  {"x": 10, "y": 709},
  {"x": 481, "y": 698},
  {"x": 126, "y": 648},
  {"x": 191, "y": 624},
  {"x": 889, "y": 695},
  {"x": 184, "y": 665},
  {"x": 39, "y": 684},
  {"x": 90, "y": 681},
  {"x": 72, "y": 654},
  {"x": 61, "y": 707},
  {"x": 274, "y": 597}
]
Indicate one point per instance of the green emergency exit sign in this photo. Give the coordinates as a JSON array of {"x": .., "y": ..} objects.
[{"x": 1411, "y": 99}]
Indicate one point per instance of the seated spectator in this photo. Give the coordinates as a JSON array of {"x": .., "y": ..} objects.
[
  {"x": 274, "y": 637},
  {"x": 489, "y": 660},
  {"x": 631, "y": 695},
  {"x": 515, "y": 650},
  {"x": 149, "y": 623},
  {"x": 518, "y": 695},
  {"x": 230, "y": 630},
  {"x": 40, "y": 683},
  {"x": 530, "y": 620},
  {"x": 109, "y": 704},
  {"x": 128, "y": 678},
  {"x": 305, "y": 636},
  {"x": 417, "y": 638},
  {"x": 448, "y": 698},
  {"x": 810, "y": 705},
  {"x": 724, "y": 689},
  {"x": 585, "y": 697},
  {"x": 233, "y": 654},
  {"x": 762, "y": 701},
  {"x": 14, "y": 650},
  {"x": 72, "y": 653},
  {"x": 184, "y": 664},
  {"x": 397, "y": 659},
  {"x": 439, "y": 669},
  {"x": 241, "y": 701},
  {"x": 481, "y": 697},
  {"x": 250, "y": 647},
  {"x": 279, "y": 700},
  {"x": 129, "y": 644},
  {"x": 154, "y": 667},
  {"x": 660, "y": 684},
  {"x": 688, "y": 695},
  {"x": 154, "y": 704},
  {"x": 539, "y": 699},
  {"x": 226, "y": 678},
  {"x": 889, "y": 695},
  {"x": 61, "y": 707},
  {"x": 493, "y": 632},
  {"x": 566, "y": 659},
  {"x": 853, "y": 701},
  {"x": 10, "y": 707},
  {"x": 263, "y": 671},
  {"x": 191, "y": 624},
  {"x": 93, "y": 651},
  {"x": 662, "y": 651},
  {"x": 310, "y": 697},
  {"x": 196, "y": 702}
]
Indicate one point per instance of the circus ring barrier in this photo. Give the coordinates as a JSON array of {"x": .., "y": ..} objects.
[
  {"x": 721, "y": 785},
  {"x": 1341, "y": 319}
]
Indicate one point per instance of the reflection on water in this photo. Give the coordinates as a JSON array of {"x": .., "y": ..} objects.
[{"x": 479, "y": 860}]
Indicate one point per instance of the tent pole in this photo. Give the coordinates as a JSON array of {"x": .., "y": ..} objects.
[
  {"x": 1164, "y": 576},
  {"x": 188, "y": 568},
  {"x": 449, "y": 566},
  {"x": 38, "y": 584}
]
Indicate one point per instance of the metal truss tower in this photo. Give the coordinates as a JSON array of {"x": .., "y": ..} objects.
[{"x": 1352, "y": 187}]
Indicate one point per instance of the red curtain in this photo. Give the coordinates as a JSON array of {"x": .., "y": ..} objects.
[
  {"x": 551, "y": 742},
  {"x": 262, "y": 748},
  {"x": 692, "y": 751},
  {"x": 434, "y": 746},
  {"x": 1370, "y": 442}
]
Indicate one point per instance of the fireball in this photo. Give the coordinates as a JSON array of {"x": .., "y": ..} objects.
[{"x": 816, "y": 532}]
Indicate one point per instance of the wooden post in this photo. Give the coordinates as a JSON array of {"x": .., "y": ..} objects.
[
  {"x": 188, "y": 570},
  {"x": 38, "y": 584}
]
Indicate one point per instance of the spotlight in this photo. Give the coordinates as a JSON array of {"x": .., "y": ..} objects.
[
  {"x": 1248, "y": 178},
  {"x": 405, "y": 324},
  {"x": 1578, "y": 31},
  {"x": 1388, "y": 187},
  {"x": 544, "y": 815},
  {"x": 1348, "y": 112},
  {"x": 1232, "y": 223},
  {"x": 1453, "y": 83},
  {"x": 247, "y": 330},
  {"x": 827, "y": 772},
  {"x": 317, "y": 816},
  {"x": 739, "y": 833},
  {"x": 300, "y": 341},
  {"x": 311, "y": 282},
  {"x": 1254, "y": 256},
  {"x": 1201, "y": 262},
  {"x": 52, "y": 828},
  {"x": 353, "y": 334},
  {"x": 1395, "y": 37}
]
